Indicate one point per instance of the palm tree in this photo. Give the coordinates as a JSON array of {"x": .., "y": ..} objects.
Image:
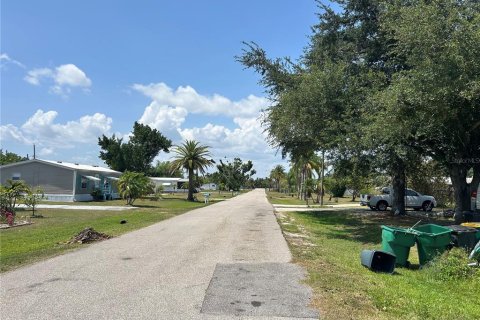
[
  {"x": 304, "y": 167},
  {"x": 277, "y": 174},
  {"x": 133, "y": 185},
  {"x": 192, "y": 157}
]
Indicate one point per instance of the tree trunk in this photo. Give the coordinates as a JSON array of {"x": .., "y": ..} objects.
[
  {"x": 398, "y": 184},
  {"x": 191, "y": 187},
  {"x": 304, "y": 178},
  {"x": 458, "y": 174},
  {"x": 322, "y": 178},
  {"x": 476, "y": 178},
  {"x": 299, "y": 185}
]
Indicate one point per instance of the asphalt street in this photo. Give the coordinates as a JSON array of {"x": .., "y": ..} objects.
[{"x": 224, "y": 261}]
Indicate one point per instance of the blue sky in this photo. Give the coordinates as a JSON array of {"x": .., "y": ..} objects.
[{"x": 74, "y": 70}]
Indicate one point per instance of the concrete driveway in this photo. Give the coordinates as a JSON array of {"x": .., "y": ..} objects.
[{"x": 225, "y": 261}]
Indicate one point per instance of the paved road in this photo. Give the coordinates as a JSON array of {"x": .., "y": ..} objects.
[{"x": 225, "y": 261}]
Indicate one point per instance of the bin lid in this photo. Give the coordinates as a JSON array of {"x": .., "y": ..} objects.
[
  {"x": 471, "y": 224},
  {"x": 397, "y": 229},
  {"x": 431, "y": 229}
]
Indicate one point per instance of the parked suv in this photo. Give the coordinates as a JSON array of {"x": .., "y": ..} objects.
[{"x": 413, "y": 200}]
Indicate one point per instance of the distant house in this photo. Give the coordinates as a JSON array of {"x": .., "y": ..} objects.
[
  {"x": 168, "y": 184},
  {"x": 63, "y": 181},
  {"x": 209, "y": 186}
]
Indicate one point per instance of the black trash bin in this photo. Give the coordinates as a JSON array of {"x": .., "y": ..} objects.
[
  {"x": 470, "y": 216},
  {"x": 464, "y": 237},
  {"x": 378, "y": 261}
]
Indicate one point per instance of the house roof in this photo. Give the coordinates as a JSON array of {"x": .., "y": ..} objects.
[
  {"x": 164, "y": 179},
  {"x": 66, "y": 165}
]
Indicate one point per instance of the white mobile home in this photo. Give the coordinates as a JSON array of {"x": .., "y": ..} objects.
[
  {"x": 168, "y": 184},
  {"x": 63, "y": 181},
  {"x": 208, "y": 186}
]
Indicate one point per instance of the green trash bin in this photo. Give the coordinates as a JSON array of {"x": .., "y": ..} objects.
[
  {"x": 432, "y": 240},
  {"x": 398, "y": 241}
]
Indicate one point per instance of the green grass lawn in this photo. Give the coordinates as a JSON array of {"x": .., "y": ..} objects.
[
  {"x": 291, "y": 198},
  {"x": 344, "y": 289},
  {"x": 42, "y": 239}
]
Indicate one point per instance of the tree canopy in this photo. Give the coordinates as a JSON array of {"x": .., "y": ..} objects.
[
  {"x": 192, "y": 157},
  {"x": 164, "y": 169},
  {"x": 382, "y": 84},
  {"x": 10, "y": 157},
  {"x": 234, "y": 175},
  {"x": 138, "y": 153}
]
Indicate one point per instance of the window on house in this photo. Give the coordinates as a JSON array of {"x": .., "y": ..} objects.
[
  {"x": 16, "y": 176},
  {"x": 84, "y": 183}
]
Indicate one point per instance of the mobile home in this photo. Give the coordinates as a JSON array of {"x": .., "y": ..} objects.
[{"x": 63, "y": 181}]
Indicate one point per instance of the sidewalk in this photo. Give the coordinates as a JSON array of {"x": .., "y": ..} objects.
[{"x": 77, "y": 207}]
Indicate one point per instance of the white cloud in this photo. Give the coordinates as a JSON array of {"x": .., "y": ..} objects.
[
  {"x": 47, "y": 151},
  {"x": 247, "y": 141},
  {"x": 189, "y": 99},
  {"x": 210, "y": 134},
  {"x": 165, "y": 119},
  {"x": 4, "y": 58},
  {"x": 247, "y": 138},
  {"x": 12, "y": 133},
  {"x": 64, "y": 78},
  {"x": 71, "y": 75},
  {"x": 34, "y": 76},
  {"x": 42, "y": 130},
  {"x": 170, "y": 108}
]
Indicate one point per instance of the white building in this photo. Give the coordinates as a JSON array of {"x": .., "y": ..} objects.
[
  {"x": 168, "y": 184},
  {"x": 209, "y": 186}
]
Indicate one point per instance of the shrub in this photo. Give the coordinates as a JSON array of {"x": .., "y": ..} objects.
[
  {"x": 13, "y": 191},
  {"x": 159, "y": 190},
  {"x": 133, "y": 185},
  {"x": 33, "y": 197},
  {"x": 338, "y": 188},
  {"x": 97, "y": 194}
]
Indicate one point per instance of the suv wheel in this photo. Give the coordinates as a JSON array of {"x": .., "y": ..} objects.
[
  {"x": 427, "y": 206},
  {"x": 382, "y": 206}
]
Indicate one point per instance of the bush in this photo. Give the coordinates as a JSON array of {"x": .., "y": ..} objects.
[
  {"x": 33, "y": 197},
  {"x": 452, "y": 265},
  {"x": 338, "y": 189},
  {"x": 97, "y": 194},
  {"x": 10, "y": 193},
  {"x": 133, "y": 185}
]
